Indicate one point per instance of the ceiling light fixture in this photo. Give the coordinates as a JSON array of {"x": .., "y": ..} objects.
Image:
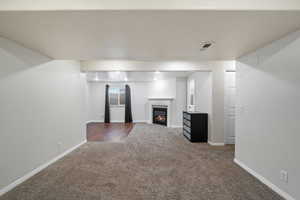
[
  {"x": 157, "y": 72},
  {"x": 126, "y": 79},
  {"x": 155, "y": 79}
]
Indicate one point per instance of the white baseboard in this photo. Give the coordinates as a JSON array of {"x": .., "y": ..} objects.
[
  {"x": 94, "y": 121},
  {"x": 175, "y": 126},
  {"x": 215, "y": 143},
  {"x": 264, "y": 180},
  {"x": 140, "y": 121},
  {"x": 116, "y": 121},
  {"x": 37, "y": 170}
]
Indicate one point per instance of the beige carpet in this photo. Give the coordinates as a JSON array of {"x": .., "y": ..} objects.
[{"x": 153, "y": 163}]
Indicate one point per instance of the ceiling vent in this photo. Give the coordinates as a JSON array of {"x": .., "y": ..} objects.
[{"x": 205, "y": 45}]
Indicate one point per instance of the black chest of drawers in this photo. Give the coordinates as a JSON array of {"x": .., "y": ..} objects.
[{"x": 195, "y": 126}]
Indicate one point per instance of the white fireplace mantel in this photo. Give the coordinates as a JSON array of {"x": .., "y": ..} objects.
[
  {"x": 161, "y": 98},
  {"x": 161, "y": 101}
]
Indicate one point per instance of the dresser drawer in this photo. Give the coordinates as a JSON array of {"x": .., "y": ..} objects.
[
  {"x": 186, "y": 134},
  {"x": 187, "y": 116},
  {"x": 187, "y": 122},
  {"x": 186, "y": 128}
]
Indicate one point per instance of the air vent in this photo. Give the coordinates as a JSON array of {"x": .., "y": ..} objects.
[{"x": 205, "y": 45}]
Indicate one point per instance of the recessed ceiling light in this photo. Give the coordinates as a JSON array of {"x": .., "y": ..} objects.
[
  {"x": 205, "y": 45},
  {"x": 125, "y": 79},
  {"x": 155, "y": 79}
]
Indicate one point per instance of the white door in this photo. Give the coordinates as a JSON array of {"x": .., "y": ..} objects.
[{"x": 230, "y": 94}]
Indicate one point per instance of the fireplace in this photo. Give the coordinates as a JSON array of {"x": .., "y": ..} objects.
[{"x": 160, "y": 115}]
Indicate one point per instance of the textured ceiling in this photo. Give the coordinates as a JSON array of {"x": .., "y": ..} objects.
[{"x": 146, "y": 35}]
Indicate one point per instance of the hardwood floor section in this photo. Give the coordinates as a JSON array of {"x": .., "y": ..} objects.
[{"x": 108, "y": 131}]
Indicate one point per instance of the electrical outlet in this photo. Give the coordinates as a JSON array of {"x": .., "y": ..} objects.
[{"x": 284, "y": 176}]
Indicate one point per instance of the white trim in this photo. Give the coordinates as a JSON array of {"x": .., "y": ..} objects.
[
  {"x": 161, "y": 98},
  {"x": 227, "y": 139},
  {"x": 264, "y": 180},
  {"x": 38, "y": 169},
  {"x": 116, "y": 121},
  {"x": 94, "y": 121},
  {"x": 215, "y": 143},
  {"x": 140, "y": 121},
  {"x": 160, "y": 102},
  {"x": 122, "y": 121},
  {"x": 116, "y": 106},
  {"x": 102, "y": 121},
  {"x": 176, "y": 126}
]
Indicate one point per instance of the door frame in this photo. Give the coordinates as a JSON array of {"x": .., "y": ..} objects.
[{"x": 226, "y": 141}]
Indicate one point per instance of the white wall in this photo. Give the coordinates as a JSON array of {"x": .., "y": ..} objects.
[
  {"x": 217, "y": 69},
  {"x": 203, "y": 91},
  {"x": 96, "y": 99},
  {"x": 268, "y": 112},
  {"x": 179, "y": 103},
  {"x": 42, "y": 109},
  {"x": 163, "y": 88},
  {"x": 203, "y": 94},
  {"x": 140, "y": 92},
  {"x": 139, "y": 100}
]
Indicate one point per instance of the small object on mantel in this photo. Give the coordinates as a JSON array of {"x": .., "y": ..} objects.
[
  {"x": 191, "y": 108},
  {"x": 195, "y": 126}
]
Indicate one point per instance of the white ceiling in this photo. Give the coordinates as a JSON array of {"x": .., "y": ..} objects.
[
  {"x": 121, "y": 76},
  {"x": 146, "y": 35},
  {"x": 150, "y": 4}
]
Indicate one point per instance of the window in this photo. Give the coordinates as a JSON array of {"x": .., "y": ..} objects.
[
  {"x": 117, "y": 96},
  {"x": 192, "y": 91}
]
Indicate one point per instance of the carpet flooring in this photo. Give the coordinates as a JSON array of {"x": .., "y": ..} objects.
[{"x": 152, "y": 163}]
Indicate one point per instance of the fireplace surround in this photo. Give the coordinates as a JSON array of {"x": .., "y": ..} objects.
[{"x": 165, "y": 103}]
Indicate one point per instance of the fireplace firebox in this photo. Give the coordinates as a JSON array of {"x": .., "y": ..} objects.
[{"x": 160, "y": 115}]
